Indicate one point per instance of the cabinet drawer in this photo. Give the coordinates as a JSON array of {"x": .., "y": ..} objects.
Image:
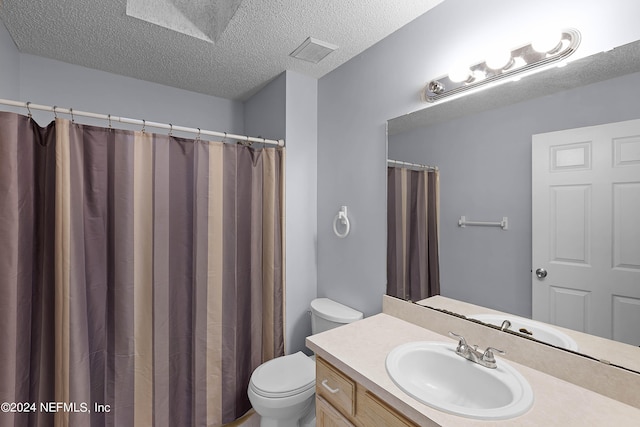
[
  {"x": 338, "y": 389},
  {"x": 373, "y": 411}
]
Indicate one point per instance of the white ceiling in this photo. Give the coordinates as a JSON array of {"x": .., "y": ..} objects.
[{"x": 247, "y": 45}]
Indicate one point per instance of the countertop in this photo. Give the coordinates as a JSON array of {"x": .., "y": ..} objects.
[
  {"x": 618, "y": 353},
  {"x": 359, "y": 349}
]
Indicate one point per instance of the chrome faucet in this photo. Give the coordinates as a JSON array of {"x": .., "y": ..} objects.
[{"x": 485, "y": 358}]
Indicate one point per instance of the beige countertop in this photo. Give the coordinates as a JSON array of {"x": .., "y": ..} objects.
[
  {"x": 359, "y": 349},
  {"x": 618, "y": 353}
]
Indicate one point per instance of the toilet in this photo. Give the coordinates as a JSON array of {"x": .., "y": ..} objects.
[{"x": 282, "y": 390}]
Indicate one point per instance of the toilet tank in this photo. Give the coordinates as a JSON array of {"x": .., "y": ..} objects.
[{"x": 327, "y": 314}]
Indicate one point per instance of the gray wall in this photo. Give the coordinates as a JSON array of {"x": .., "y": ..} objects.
[
  {"x": 485, "y": 174},
  {"x": 9, "y": 66},
  {"x": 265, "y": 112},
  {"x": 287, "y": 108},
  {"x": 355, "y": 100},
  {"x": 49, "y": 82},
  {"x": 302, "y": 197}
]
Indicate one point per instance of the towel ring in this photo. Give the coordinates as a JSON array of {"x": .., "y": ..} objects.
[{"x": 344, "y": 220}]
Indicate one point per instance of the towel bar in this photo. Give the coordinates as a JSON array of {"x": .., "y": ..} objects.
[{"x": 504, "y": 224}]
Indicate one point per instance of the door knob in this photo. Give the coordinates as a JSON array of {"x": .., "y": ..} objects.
[{"x": 541, "y": 273}]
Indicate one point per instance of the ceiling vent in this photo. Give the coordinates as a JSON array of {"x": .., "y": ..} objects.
[{"x": 313, "y": 50}]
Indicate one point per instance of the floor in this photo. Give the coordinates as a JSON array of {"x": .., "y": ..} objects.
[{"x": 250, "y": 419}]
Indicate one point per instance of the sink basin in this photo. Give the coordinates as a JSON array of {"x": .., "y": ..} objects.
[
  {"x": 540, "y": 331},
  {"x": 434, "y": 374}
]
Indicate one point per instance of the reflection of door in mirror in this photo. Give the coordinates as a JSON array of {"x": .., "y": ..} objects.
[
  {"x": 412, "y": 231},
  {"x": 586, "y": 229}
]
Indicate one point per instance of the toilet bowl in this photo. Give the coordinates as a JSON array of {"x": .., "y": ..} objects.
[{"x": 282, "y": 390}]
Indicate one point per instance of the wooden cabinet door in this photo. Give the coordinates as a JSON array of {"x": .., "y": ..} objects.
[
  {"x": 328, "y": 416},
  {"x": 374, "y": 412}
]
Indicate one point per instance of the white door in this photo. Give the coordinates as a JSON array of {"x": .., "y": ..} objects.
[{"x": 586, "y": 229}]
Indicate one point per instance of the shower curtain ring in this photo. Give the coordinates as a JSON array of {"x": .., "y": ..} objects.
[
  {"x": 198, "y": 136},
  {"x": 109, "y": 115},
  {"x": 170, "y": 129},
  {"x": 144, "y": 124},
  {"x": 55, "y": 113},
  {"x": 73, "y": 119},
  {"x": 29, "y": 109}
]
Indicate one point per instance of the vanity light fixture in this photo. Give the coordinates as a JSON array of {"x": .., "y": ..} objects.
[{"x": 505, "y": 66}]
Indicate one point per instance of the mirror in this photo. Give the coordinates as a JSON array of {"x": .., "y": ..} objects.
[{"x": 482, "y": 146}]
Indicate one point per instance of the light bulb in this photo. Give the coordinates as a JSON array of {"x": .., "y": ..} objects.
[
  {"x": 478, "y": 75},
  {"x": 518, "y": 62},
  {"x": 547, "y": 41},
  {"x": 460, "y": 74},
  {"x": 498, "y": 59}
]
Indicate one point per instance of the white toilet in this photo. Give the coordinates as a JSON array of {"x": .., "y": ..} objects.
[{"x": 282, "y": 390}]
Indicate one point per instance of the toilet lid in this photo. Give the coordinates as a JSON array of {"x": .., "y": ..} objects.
[{"x": 284, "y": 376}]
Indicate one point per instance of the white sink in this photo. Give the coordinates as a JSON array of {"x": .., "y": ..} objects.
[
  {"x": 540, "y": 331},
  {"x": 434, "y": 374}
]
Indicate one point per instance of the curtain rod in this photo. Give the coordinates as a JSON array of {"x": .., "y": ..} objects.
[
  {"x": 414, "y": 165},
  {"x": 31, "y": 106}
]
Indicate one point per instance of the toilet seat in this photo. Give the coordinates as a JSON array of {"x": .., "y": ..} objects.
[{"x": 284, "y": 376}]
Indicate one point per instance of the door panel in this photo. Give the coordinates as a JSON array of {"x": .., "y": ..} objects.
[
  {"x": 571, "y": 205},
  {"x": 626, "y": 311},
  {"x": 569, "y": 307},
  {"x": 626, "y": 226}
]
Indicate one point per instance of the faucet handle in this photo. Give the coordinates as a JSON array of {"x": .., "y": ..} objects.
[
  {"x": 462, "y": 343},
  {"x": 487, "y": 356}
]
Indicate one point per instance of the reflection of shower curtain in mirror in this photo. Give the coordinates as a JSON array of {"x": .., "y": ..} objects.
[
  {"x": 412, "y": 233},
  {"x": 140, "y": 271}
]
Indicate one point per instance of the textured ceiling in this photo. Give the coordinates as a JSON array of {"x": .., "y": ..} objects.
[
  {"x": 236, "y": 50},
  {"x": 204, "y": 19}
]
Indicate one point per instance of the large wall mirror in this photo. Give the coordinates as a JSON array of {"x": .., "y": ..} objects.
[{"x": 482, "y": 145}]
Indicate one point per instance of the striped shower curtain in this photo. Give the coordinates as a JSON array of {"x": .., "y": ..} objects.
[
  {"x": 412, "y": 233},
  {"x": 141, "y": 275}
]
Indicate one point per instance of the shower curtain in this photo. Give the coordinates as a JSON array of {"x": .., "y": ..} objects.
[
  {"x": 141, "y": 275},
  {"x": 412, "y": 233}
]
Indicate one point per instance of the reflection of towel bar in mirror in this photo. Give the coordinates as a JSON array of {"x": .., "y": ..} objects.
[
  {"x": 504, "y": 224},
  {"x": 411, "y": 165}
]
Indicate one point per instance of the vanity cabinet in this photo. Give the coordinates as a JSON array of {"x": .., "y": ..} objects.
[
  {"x": 342, "y": 402},
  {"x": 328, "y": 416}
]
